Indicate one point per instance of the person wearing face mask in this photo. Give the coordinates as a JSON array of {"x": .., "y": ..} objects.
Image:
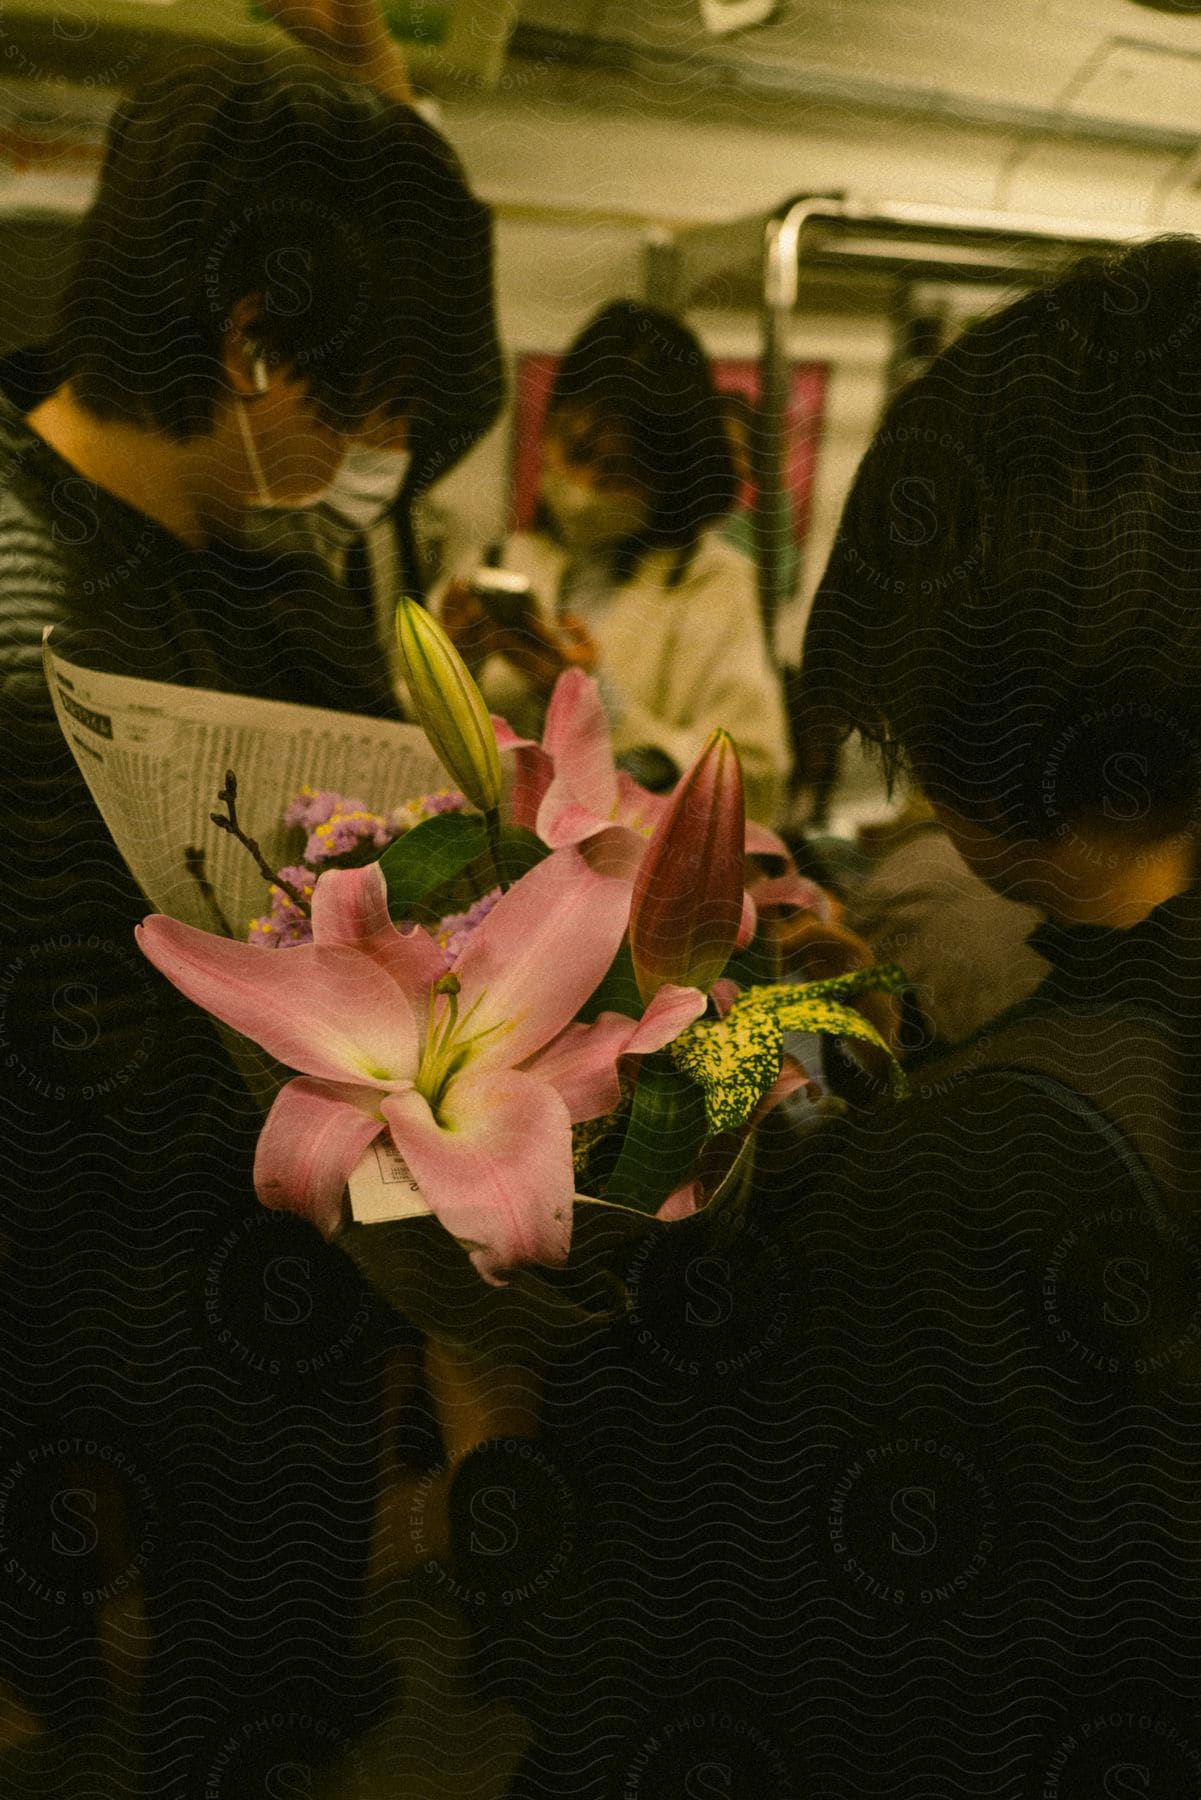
[
  {"x": 321, "y": 573},
  {"x": 631, "y": 581},
  {"x": 194, "y": 385}
]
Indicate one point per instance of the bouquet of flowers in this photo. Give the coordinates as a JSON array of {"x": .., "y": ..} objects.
[{"x": 536, "y": 1000}]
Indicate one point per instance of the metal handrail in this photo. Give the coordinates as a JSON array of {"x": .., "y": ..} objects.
[{"x": 831, "y": 230}]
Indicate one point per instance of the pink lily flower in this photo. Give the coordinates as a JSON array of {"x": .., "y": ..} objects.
[
  {"x": 477, "y": 1072},
  {"x": 569, "y": 789}
]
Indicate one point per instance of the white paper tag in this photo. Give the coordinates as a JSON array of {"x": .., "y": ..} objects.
[{"x": 382, "y": 1186}]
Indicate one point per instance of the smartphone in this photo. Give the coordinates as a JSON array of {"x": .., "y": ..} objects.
[{"x": 507, "y": 597}]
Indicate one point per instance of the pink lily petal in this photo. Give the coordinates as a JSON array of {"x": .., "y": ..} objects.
[
  {"x": 538, "y": 955},
  {"x": 670, "y": 1011},
  {"x": 793, "y": 892},
  {"x": 762, "y": 842},
  {"x": 576, "y": 738},
  {"x": 614, "y": 851},
  {"x": 682, "y": 1203},
  {"x": 350, "y": 906},
  {"x": 495, "y": 1169},
  {"x": 748, "y": 922},
  {"x": 791, "y": 1077},
  {"x": 330, "y": 1011},
  {"x": 581, "y": 1063},
  {"x": 314, "y": 1135},
  {"x": 507, "y": 738},
  {"x": 563, "y": 821},
  {"x": 532, "y": 773},
  {"x": 723, "y": 994},
  {"x": 637, "y": 807},
  {"x": 587, "y": 793}
]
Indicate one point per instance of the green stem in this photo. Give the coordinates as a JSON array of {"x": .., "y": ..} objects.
[
  {"x": 492, "y": 826},
  {"x": 229, "y": 799}
]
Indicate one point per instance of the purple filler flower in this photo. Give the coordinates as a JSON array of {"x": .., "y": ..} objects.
[
  {"x": 344, "y": 830},
  {"x": 312, "y": 806},
  {"x": 427, "y": 806},
  {"x": 285, "y": 924},
  {"x": 337, "y": 826},
  {"x": 454, "y": 930}
]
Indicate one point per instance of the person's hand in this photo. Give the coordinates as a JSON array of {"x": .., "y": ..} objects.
[
  {"x": 478, "y": 1397},
  {"x": 539, "y": 651},
  {"x": 468, "y": 625},
  {"x": 350, "y": 37}
]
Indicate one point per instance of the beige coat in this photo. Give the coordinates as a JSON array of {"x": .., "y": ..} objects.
[{"x": 680, "y": 661}]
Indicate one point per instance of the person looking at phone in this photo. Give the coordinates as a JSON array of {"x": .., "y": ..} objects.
[{"x": 628, "y": 578}]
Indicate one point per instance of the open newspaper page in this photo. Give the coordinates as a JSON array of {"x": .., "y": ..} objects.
[{"x": 155, "y": 756}]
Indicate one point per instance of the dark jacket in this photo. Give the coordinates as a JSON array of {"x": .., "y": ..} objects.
[
  {"x": 895, "y": 1491},
  {"x": 218, "y": 1357}
]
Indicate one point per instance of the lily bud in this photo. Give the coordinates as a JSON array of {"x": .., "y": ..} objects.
[
  {"x": 688, "y": 893},
  {"x": 448, "y": 704}
]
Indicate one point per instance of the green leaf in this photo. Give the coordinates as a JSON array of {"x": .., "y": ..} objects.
[
  {"x": 427, "y": 857},
  {"x": 618, "y": 991},
  {"x": 665, "y": 1132},
  {"x": 441, "y": 849},
  {"x": 521, "y": 851}
]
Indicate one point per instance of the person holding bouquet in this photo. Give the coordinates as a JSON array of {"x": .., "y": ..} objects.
[
  {"x": 975, "y": 1561},
  {"x": 895, "y": 1492}
]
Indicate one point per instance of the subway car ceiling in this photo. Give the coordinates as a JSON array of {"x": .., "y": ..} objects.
[
  {"x": 595, "y": 126},
  {"x": 1114, "y": 62},
  {"x": 642, "y": 114},
  {"x": 602, "y": 130}
]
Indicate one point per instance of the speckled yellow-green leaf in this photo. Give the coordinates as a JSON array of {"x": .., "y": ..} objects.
[
  {"x": 448, "y": 704},
  {"x": 885, "y": 978},
  {"x": 734, "y": 1060},
  {"x": 841, "y": 1021}
]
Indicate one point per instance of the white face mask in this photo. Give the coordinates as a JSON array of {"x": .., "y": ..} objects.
[
  {"x": 586, "y": 519},
  {"x": 265, "y": 500},
  {"x": 363, "y": 486},
  {"x": 366, "y": 484}
]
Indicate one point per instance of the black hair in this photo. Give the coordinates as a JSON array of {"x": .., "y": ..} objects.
[
  {"x": 644, "y": 374},
  {"x": 345, "y": 214},
  {"x": 1012, "y": 608}
]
